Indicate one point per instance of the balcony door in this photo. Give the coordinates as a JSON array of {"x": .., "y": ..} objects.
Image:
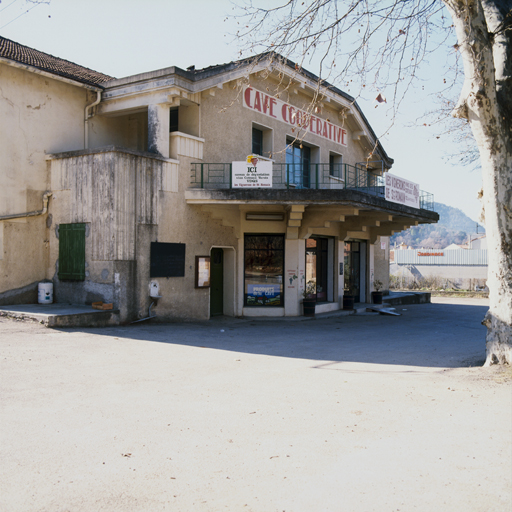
[
  {"x": 355, "y": 270},
  {"x": 298, "y": 164}
]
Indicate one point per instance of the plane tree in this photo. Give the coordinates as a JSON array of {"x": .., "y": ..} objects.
[{"x": 383, "y": 43}]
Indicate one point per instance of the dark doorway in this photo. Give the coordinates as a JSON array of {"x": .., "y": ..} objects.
[
  {"x": 317, "y": 261},
  {"x": 217, "y": 282},
  {"x": 353, "y": 270}
]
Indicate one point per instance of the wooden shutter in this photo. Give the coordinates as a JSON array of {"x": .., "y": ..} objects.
[{"x": 72, "y": 252}]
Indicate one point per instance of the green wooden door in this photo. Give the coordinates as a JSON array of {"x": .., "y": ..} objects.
[
  {"x": 217, "y": 282},
  {"x": 72, "y": 252}
]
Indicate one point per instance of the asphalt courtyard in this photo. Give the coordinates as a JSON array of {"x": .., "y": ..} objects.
[{"x": 352, "y": 414}]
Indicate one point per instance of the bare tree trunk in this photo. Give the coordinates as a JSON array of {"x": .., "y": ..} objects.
[{"x": 484, "y": 32}]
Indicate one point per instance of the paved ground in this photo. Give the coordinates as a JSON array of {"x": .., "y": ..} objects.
[{"x": 352, "y": 414}]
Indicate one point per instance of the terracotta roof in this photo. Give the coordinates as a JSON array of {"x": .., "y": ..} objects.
[{"x": 25, "y": 55}]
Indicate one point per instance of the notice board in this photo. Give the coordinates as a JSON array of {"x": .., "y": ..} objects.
[{"x": 167, "y": 260}]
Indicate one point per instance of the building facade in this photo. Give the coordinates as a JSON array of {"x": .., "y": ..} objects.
[{"x": 187, "y": 194}]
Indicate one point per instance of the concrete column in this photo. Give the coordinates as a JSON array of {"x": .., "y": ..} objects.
[
  {"x": 241, "y": 278},
  {"x": 341, "y": 277},
  {"x": 372, "y": 271},
  {"x": 158, "y": 129},
  {"x": 294, "y": 262}
]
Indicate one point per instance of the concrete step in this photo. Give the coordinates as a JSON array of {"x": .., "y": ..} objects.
[
  {"x": 403, "y": 298},
  {"x": 61, "y": 315}
]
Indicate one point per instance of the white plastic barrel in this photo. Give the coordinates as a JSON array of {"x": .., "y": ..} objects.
[{"x": 45, "y": 293}]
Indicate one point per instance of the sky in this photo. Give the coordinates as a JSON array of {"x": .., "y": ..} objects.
[{"x": 126, "y": 37}]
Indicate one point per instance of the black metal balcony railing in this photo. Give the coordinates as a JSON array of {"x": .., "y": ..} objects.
[{"x": 297, "y": 176}]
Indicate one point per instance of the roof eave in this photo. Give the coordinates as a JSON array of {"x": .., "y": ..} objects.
[{"x": 49, "y": 74}]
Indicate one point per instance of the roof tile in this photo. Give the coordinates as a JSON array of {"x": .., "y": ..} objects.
[{"x": 40, "y": 60}]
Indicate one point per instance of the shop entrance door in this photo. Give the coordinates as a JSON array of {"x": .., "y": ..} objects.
[
  {"x": 317, "y": 265},
  {"x": 353, "y": 262},
  {"x": 217, "y": 282}
]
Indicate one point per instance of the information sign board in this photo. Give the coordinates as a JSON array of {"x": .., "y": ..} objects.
[{"x": 253, "y": 173}]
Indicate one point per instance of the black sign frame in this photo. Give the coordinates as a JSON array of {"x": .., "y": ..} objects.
[{"x": 167, "y": 260}]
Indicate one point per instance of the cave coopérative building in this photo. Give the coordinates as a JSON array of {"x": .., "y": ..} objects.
[{"x": 232, "y": 190}]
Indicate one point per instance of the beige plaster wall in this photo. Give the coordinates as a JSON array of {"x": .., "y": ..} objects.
[
  {"x": 128, "y": 131},
  {"x": 188, "y": 120},
  {"x": 38, "y": 115},
  {"x": 226, "y": 126},
  {"x": 181, "y": 223}
]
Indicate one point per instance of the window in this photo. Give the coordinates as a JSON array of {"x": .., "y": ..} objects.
[
  {"x": 262, "y": 140},
  {"x": 298, "y": 161},
  {"x": 173, "y": 121},
  {"x": 72, "y": 252},
  {"x": 264, "y": 269},
  {"x": 257, "y": 141},
  {"x": 335, "y": 165}
]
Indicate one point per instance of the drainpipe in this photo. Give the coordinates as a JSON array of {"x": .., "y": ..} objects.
[
  {"x": 86, "y": 120},
  {"x": 46, "y": 197},
  {"x": 149, "y": 317}
]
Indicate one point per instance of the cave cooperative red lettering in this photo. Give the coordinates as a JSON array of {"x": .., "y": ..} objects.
[{"x": 286, "y": 113}]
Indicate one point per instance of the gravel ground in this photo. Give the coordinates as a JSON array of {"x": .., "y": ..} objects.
[{"x": 352, "y": 414}]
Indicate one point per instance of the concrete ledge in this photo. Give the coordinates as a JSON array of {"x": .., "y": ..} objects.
[
  {"x": 326, "y": 307},
  {"x": 61, "y": 315},
  {"x": 402, "y": 298},
  {"x": 267, "y": 312}
]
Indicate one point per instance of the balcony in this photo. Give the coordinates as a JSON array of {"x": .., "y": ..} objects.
[{"x": 295, "y": 177}]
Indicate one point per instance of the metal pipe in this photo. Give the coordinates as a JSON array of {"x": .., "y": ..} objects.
[
  {"x": 46, "y": 197},
  {"x": 86, "y": 121},
  {"x": 148, "y": 317}
]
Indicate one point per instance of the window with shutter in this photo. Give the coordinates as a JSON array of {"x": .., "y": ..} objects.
[{"x": 72, "y": 252}]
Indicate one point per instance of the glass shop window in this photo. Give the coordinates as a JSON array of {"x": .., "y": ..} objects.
[{"x": 264, "y": 270}]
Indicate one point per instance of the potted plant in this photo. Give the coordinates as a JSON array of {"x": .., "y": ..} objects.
[
  {"x": 309, "y": 298},
  {"x": 378, "y": 293},
  {"x": 348, "y": 297}
]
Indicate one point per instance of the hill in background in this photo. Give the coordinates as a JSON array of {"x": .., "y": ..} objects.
[{"x": 454, "y": 227}]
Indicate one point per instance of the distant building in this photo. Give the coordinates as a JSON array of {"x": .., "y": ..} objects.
[
  {"x": 452, "y": 267},
  {"x": 453, "y": 247},
  {"x": 479, "y": 242}
]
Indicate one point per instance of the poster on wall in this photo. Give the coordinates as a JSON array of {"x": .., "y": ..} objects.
[
  {"x": 202, "y": 271},
  {"x": 263, "y": 294},
  {"x": 402, "y": 191},
  {"x": 291, "y": 276},
  {"x": 253, "y": 173}
]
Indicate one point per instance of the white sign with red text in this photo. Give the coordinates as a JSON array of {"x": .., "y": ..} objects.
[
  {"x": 402, "y": 191},
  {"x": 253, "y": 173},
  {"x": 286, "y": 113}
]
